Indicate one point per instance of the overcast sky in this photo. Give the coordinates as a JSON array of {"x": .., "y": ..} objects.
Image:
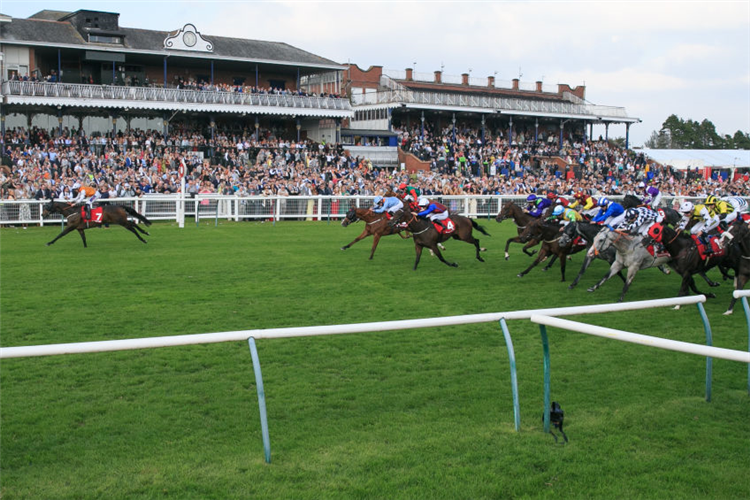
[{"x": 654, "y": 58}]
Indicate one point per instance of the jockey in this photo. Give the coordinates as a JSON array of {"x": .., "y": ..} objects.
[
  {"x": 408, "y": 193},
  {"x": 721, "y": 209},
  {"x": 640, "y": 219},
  {"x": 536, "y": 205},
  {"x": 610, "y": 214},
  {"x": 390, "y": 204},
  {"x": 87, "y": 195},
  {"x": 652, "y": 196},
  {"x": 565, "y": 215},
  {"x": 586, "y": 202},
  {"x": 437, "y": 212},
  {"x": 706, "y": 222},
  {"x": 740, "y": 207}
]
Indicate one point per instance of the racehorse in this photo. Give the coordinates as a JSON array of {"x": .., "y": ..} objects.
[
  {"x": 426, "y": 236},
  {"x": 549, "y": 235},
  {"x": 738, "y": 257},
  {"x": 588, "y": 232},
  {"x": 512, "y": 211},
  {"x": 631, "y": 254},
  {"x": 686, "y": 259},
  {"x": 376, "y": 225},
  {"x": 111, "y": 214}
]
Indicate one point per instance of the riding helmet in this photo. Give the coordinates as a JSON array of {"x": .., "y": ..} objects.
[
  {"x": 559, "y": 209},
  {"x": 631, "y": 213},
  {"x": 378, "y": 200},
  {"x": 531, "y": 197},
  {"x": 402, "y": 185},
  {"x": 710, "y": 200},
  {"x": 687, "y": 208},
  {"x": 603, "y": 202},
  {"x": 551, "y": 195},
  {"x": 423, "y": 202}
]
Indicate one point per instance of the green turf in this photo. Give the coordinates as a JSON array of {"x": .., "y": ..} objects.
[{"x": 409, "y": 414}]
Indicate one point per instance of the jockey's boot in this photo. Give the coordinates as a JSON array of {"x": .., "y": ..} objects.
[{"x": 707, "y": 249}]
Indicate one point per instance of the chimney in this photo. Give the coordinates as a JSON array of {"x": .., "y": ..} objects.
[
  {"x": 409, "y": 74},
  {"x": 538, "y": 86},
  {"x": 464, "y": 78},
  {"x": 515, "y": 84},
  {"x": 438, "y": 77},
  {"x": 491, "y": 81}
]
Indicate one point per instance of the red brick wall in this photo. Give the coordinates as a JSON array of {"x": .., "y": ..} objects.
[
  {"x": 369, "y": 78},
  {"x": 579, "y": 91},
  {"x": 412, "y": 162}
]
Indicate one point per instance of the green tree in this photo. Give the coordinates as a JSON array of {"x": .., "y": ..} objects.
[{"x": 677, "y": 133}]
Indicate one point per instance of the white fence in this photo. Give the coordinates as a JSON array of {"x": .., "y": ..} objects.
[
  {"x": 270, "y": 208},
  {"x": 539, "y": 315}
]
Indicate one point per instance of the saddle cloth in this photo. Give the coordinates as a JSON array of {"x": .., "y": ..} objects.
[
  {"x": 449, "y": 227},
  {"x": 96, "y": 214},
  {"x": 714, "y": 241}
]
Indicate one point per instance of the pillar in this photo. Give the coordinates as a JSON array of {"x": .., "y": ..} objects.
[
  {"x": 422, "y": 118},
  {"x": 536, "y": 130},
  {"x": 510, "y": 131},
  {"x": 299, "y": 127},
  {"x": 627, "y": 135}
]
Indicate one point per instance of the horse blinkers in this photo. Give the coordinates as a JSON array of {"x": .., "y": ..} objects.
[{"x": 656, "y": 231}]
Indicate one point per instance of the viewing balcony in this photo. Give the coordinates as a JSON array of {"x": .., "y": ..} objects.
[{"x": 158, "y": 98}]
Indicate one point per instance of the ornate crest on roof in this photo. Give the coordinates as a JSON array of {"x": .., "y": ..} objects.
[{"x": 188, "y": 38}]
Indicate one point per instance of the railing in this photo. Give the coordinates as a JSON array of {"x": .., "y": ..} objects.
[
  {"x": 157, "y": 94},
  {"x": 213, "y": 207},
  {"x": 496, "y": 103}
]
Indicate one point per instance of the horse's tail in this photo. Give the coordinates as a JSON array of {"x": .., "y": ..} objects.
[
  {"x": 478, "y": 227},
  {"x": 135, "y": 214}
]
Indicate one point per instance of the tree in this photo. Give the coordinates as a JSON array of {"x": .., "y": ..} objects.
[{"x": 677, "y": 133}]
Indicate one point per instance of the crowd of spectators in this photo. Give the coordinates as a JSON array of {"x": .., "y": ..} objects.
[{"x": 143, "y": 162}]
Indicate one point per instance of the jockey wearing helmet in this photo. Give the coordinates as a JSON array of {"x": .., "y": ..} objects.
[
  {"x": 565, "y": 215},
  {"x": 389, "y": 204},
  {"x": 721, "y": 209},
  {"x": 652, "y": 196},
  {"x": 536, "y": 205},
  {"x": 437, "y": 212},
  {"x": 87, "y": 195},
  {"x": 611, "y": 213},
  {"x": 686, "y": 210},
  {"x": 408, "y": 193},
  {"x": 739, "y": 204},
  {"x": 586, "y": 202},
  {"x": 639, "y": 220}
]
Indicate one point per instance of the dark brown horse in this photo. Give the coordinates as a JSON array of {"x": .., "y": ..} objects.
[
  {"x": 738, "y": 257},
  {"x": 549, "y": 234},
  {"x": 111, "y": 214},
  {"x": 426, "y": 236},
  {"x": 512, "y": 211},
  {"x": 376, "y": 225}
]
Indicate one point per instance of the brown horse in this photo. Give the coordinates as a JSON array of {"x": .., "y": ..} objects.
[
  {"x": 550, "y": 235},
  {"x": 376, "y": 225},
  {"x": 111, "y": 214},
  {"x": 426, "y": 236},
  {"x": 512, "y": 211}
]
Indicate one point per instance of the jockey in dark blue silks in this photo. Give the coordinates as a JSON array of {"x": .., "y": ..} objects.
[
  {"x": 611, "y": 214},
  {"x": 536, "y": 205},
  {"x": 437, "y": 212}
]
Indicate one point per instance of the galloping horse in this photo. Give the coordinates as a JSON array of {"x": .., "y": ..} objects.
[
  {"x": 671, "y": 216},
  {"x": 588, "y": 232},
  {"x": 426, "y": 236},
  {"x": 512, "y": 211},
  {"x": 686, "y": 259},
  {"x": 738, "y": 257},
  {"x": 549, "y": 235},
  {"x": 376, "y": 225},
  {"x": 631, "y": 254},
  {"x": 111, "y": 214}
]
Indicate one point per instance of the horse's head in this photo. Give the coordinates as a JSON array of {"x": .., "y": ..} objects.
[
  {"x": 49, "y": 208},
  {"x": 398, "y": 217},
  {"x": 532, "y": 231},
  {"x": 602, "y": 242},
  {"x": 506, "y": 212},
  {"x": 351, "y": 217}
]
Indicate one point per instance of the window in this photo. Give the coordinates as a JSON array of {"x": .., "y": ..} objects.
[{"x": 105, "y": 39}]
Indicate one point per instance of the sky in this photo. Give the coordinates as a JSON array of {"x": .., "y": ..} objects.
[{"x": 654, "y": 58}]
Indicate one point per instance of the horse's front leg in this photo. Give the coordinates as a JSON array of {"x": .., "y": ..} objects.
[
  {"x": 549, "y": 264},
  {"x": 418, "y": 251},
  {"x": 615, "y": 268},
  {"x": 83, "y": 237},
  {"x": 562, "y": 266},
  {"x": 507, "y": 246},
  {"x": 586, "y": 262},
  {"x": 65, "y": 231},
  {"x": 439, "y": 254},
  {"x": 358, "y": 238},
  {"x": 529, "y": 245},
  {"x": 375, "y": 240},
  {"x": 632, "y": 271},
  {"x": 708, "y": 280},
  {"x": 739, "y": 283},
  {"x": 694, "y": 288},
  {"x": 539, "y": 258}
]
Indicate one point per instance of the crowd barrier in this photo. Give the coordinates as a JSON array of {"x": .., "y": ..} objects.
[{"x": 166, "y": 207}]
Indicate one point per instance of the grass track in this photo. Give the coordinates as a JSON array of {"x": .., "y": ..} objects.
[{"x": 412, "y": 414}]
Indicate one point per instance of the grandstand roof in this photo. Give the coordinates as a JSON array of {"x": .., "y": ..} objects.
[
  {"x": 50, "y": 28},
  {"x": 692, "y": 158}
]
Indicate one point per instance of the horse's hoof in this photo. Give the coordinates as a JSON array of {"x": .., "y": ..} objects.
[
  {"x": 48, "y": 244},
  {"x": 507, "y": 256},
  {"x": 714, "y": 284},
  {"x": 480, "y": 259},
  {"x": 728, "y": 312},
  {"x": 592, "y": 289},
  {"x": 454, "y": 265},
  {"x": 482, "y": 249},
  {"x": 544, "y": 269},
  {"x": 570, "y": 287},
  {"x": 710, "y": 296},
  {"x": 344, "y": 248},
  {"x": 520, "y": 275},
  {"x": 676, "y": 308}
]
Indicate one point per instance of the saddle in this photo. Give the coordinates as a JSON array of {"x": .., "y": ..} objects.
[
  {"x": 96, "y": 214},
  {"x": 714, "y": 241},
  {"x": 448, "y": 228}
]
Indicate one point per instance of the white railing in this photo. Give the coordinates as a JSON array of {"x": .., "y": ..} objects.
[
  {"x": 158, "y": 94},
  {"x": 158, "y": 207}
]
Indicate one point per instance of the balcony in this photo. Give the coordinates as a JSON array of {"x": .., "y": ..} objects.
[{"x": 108, "y": 96}]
